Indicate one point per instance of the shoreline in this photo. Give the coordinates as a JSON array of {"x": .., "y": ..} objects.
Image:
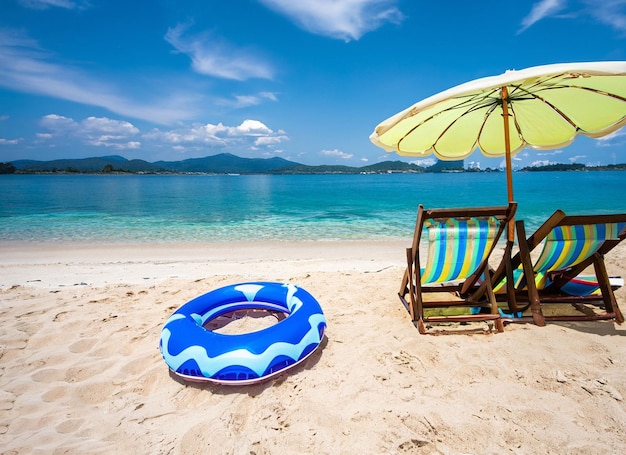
[{"x": 97, "y": 264}]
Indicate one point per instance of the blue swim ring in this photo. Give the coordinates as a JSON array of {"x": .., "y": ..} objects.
[{"x": 198, "y": 354}]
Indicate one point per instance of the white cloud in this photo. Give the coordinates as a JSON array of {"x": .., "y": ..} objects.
[
  {"x": 45, "y": 4},
  {"x": 26, "y": 68},
  {"x": 267, "y": 141},
  {"x": 551, "y": 153},
  {"x": 537, "y": 163},
  {"x": 541, "y": 10},
  {"x": 337, "y": 154},
  {"x": 58, "y": 123},
  {"x": 609, "y": 12},
  {"x": 10, "y": 141},
  {"x": 575, "y": 158},
  {"x": 240, "y": 101},
  {"x": 341, "y": 19},
  {"x": 611, "y": 140},
  {"x": 96, "y": 131},
  {"x": 213, "y": 56},
  {"x": 102, "y": 124},
  {"x": 252, "y": 133},
  {"x": 426, "y": 162},
  {"x": 250, "y": 128}
]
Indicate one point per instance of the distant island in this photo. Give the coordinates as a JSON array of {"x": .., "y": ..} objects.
[
  {"x": 225, "y": 163},
  {"x": 221, "y": 164}
]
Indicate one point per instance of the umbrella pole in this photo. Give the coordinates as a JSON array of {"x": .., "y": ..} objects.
[
  {"x": 510, "y": 289},
  {"x": 509, "y": 167}
]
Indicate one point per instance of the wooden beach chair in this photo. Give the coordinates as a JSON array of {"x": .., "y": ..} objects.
[
  {"x": 570, "y": 245},
  {"x": 460, "y": 242}
]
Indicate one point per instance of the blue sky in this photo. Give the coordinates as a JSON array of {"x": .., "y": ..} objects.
[{"x": 304, "y": 80}]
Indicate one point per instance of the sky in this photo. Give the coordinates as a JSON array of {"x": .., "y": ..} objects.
[{"x": 306, "y": 80}]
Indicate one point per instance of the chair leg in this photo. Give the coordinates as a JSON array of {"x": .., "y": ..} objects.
[
  {"x": 533, "y": 294},
  {"x": 538, "y": 317},
  {"x": 421, "y": 328},
  {"x": 619, "y": 317},
  {"x": 610, "y": 302},
  {"x": 493, "y": 302},
  {"x": 415, "y": 293},
  {"x": 411, "y": 287},
  {"x": 510, "y": 283}
]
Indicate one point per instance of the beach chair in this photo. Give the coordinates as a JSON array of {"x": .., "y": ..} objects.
[
  {"x": 571, "y": 244},
  {"x": 460, "y": 242}
]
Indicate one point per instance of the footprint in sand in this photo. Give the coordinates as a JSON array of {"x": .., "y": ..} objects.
[
  {"x": 95, "y": 393},
  {"x": 55, "y": 394},
  {"x": 83, "y": 372},
  {"x": 83, "y": 345},
  {"x": 69, "y": 426},
  {"x": 7, "y": 400},
  {"x": 48, "y": 375},
  {"x": 139, "y": 365}
]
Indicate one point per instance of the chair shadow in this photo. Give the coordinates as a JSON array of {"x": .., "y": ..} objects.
[
  {"x": 602, "y": 328},
  {"x": 473, "y": 328}
]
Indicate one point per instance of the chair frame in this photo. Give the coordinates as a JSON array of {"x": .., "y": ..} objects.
[
  {"x": 469, "y": 291},
  {"x": 535, "y": 298}
]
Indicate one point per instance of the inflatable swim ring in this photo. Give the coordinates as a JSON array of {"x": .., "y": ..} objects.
[{"x": 198, "y": 354}]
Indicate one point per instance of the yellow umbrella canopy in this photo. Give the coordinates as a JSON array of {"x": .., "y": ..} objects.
[{"x": 543, "y": 107}]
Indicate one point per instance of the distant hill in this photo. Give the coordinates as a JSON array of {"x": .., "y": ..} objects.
[
  {"x": 574, "y": 167},
  {"x": 444, "y": 166},
  {"x": 226, "y": 163},
  {"x": 218, "y": 164},
  {"x": 97, "y": 164},
  {"x": 378, "y": 168},
  {"x": 223, "y": 163}
]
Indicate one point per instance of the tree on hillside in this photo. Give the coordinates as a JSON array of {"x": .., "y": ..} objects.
[{"x": 7, "y": 168}]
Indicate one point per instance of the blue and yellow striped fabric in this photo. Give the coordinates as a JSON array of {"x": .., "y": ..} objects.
[
  {"x": 564, "y": 247},
  {"x": 567, "y": 246},
  {"x": 456, "y": 247}
]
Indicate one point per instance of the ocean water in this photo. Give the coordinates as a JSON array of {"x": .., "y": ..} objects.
[{"x": 198, "y": 208}]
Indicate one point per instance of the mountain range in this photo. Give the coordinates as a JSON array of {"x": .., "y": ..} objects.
[{"x": 223, "y": 163}]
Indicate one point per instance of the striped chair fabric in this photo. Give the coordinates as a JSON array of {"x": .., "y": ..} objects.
[
  {"x": 457, "y": 247},
  {"x": 567, "y": 246}
]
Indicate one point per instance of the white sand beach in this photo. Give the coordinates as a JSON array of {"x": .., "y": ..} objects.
[{"x": 81, "y": 371}]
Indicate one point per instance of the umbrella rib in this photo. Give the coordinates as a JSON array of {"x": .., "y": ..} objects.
[
  {"x": 553, "y": 107},
  {"x": 490, "y": 99},
  {"x": 589, "y": 89},
  {"x": 472, "y": 107}
]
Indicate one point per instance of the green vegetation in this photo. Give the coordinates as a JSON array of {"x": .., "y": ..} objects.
[
  {"x": 575, "y": 167},
  {"x": 225, "y": 163},
  {"x": 217, "y": 164},
  {"x": 7, "y": 168}
]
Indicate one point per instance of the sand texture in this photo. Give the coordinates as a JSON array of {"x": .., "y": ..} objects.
[{"x": 81, "y": 372}]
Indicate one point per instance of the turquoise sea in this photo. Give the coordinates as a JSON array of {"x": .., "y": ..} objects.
[{"x": 190, "y": 208}]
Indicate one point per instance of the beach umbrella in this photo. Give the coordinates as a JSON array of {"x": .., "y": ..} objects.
[{"x": 543, "y": 107}]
